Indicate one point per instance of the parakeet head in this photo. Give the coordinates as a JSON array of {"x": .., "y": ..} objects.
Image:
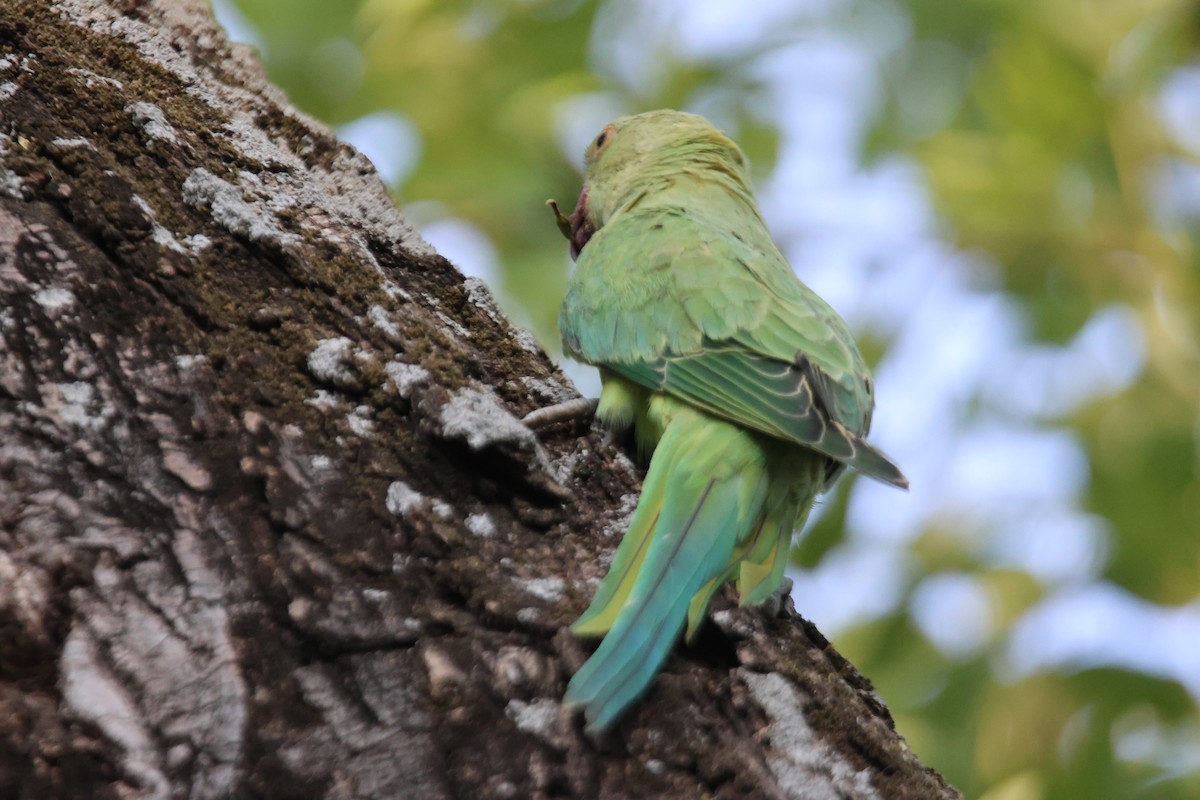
[{"x": 638, "y": 153}]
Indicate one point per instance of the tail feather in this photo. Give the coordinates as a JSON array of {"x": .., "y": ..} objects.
[
  {"x": 685, "y": 552},
  {"x": 701, "y": 600},
  {"x": 761, "y": 572},
  {"x": 758, "y": 563},
  {"x": 626, "y": 564},
  {"x": 719, "y": 504}
]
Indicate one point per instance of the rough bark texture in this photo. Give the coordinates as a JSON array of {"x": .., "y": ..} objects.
[{"x": 269, "y": 526}]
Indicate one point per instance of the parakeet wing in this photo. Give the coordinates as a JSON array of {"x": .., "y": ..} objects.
[{"x": 681, "y": 305}]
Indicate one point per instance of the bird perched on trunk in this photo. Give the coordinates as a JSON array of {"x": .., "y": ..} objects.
[{"x": 746, "y": 385}]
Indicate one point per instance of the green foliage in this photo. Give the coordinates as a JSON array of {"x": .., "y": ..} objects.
[
  {"x": 1036, "y": 127},
  {"x": 1045, "y": 165}
]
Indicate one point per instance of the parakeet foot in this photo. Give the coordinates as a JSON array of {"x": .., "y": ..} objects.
[
  {"x": 579, "y": 408},
  {"x": 774, "y": 602}
]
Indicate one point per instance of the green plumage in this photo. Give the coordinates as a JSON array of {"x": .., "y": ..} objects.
[{"x": 746, "y": 385}]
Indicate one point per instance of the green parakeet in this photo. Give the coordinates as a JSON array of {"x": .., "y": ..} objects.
[{"x": 746, "y": 385}]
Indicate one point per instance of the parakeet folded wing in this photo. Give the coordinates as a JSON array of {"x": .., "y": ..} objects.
[{"x": 688, "y": 309}]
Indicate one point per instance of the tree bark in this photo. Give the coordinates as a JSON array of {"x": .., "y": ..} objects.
[{"x": 269, "y": 524}]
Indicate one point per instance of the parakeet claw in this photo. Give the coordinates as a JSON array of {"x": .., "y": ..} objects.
[
  {"x": 577, "y": 228},
  {"x": 774, "y": 603},
  {"x": 579, "y": 408}
]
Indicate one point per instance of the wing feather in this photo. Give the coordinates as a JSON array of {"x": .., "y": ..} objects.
[{"x": 721, "y": 322}]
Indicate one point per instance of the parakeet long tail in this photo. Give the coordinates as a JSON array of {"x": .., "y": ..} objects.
[{"x": 704, "y": 495}]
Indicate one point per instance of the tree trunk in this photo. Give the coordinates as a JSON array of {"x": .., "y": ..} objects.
[{"x": 269, "y": 524}]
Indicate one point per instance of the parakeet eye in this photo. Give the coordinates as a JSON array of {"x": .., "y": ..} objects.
[{"x": 600, "y": 141}]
